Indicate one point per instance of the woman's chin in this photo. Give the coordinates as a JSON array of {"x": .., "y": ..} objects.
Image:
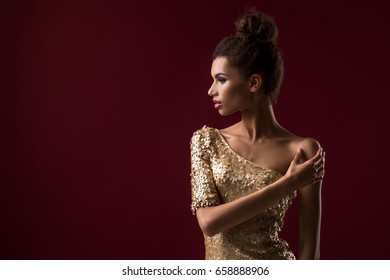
[{"x": 224, "y": 113}]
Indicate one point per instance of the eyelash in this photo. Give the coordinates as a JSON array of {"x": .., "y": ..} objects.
[{"x": 221, "y": 81}]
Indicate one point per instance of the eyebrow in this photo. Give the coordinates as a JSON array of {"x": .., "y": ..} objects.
[{"x": 220, "y": 74}]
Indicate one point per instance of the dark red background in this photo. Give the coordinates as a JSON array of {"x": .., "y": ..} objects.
[{"x": 99, "y": 100}]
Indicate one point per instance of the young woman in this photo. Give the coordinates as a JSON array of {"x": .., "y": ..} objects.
[{"x": 245, "y": 176}]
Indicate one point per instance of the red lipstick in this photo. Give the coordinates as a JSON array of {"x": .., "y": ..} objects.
[{"x": 217, "y": 104}]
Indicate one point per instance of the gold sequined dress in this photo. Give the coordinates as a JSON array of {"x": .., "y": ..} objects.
[{"x": 220, "y": 175}]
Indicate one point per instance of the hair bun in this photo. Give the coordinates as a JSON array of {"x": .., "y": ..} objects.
[{"x": 257, "y": 26}]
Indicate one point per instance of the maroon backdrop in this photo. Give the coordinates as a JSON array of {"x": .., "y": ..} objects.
[{"x": 99, "y": 100}]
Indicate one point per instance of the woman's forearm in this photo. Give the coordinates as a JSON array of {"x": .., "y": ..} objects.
[{"x": 215, "y": 219}]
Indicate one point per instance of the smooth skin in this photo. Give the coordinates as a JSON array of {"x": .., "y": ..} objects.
[{"x": 260, "y": 139}]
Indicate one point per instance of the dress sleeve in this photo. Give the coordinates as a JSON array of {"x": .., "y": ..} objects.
[{"x": 203, "y": 190}]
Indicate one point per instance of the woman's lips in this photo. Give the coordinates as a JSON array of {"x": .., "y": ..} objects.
[{"x": 217, "y": 104}]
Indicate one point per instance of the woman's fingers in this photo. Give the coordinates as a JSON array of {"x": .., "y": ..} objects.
[
  {"x": 318, "y": 159},
  {"x": 319, "y": 175},
  {"x": 298, "y": 156},
  {"x": 320, "y": 170},
  {"x": 318, "y": 155},
  {"x": 318, "y": 164}
]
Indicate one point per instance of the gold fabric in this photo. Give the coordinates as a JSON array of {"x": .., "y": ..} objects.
[{"x": 220, "y": 175}]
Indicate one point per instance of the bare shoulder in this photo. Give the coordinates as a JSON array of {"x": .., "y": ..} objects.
[
  {"x": 296, "y": 142},
  {"x": 308, "y": 145}
]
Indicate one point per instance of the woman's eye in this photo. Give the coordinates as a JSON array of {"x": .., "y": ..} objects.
[{"x": 221, "y": 81}]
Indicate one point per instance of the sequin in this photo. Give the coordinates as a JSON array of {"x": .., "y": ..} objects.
[{"x": 220, "y": 175}]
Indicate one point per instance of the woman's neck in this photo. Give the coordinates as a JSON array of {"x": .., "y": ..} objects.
[{"x": 259, "y": 122}]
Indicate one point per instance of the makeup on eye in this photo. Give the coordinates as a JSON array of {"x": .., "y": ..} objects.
[{"x": 221, "y": 78}]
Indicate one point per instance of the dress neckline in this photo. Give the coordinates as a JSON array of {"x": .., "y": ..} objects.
[{"x": 224, "y": 141}]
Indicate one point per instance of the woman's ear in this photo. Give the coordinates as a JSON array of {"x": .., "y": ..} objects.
[{"x": 255, "y": 82}]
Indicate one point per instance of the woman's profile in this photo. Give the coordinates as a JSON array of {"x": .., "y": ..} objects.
[{"x": 244, "y": 177}]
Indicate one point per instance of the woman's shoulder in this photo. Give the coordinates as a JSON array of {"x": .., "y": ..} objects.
[
  {"x": 205, "y": 131},
  {"x": 204, "y": 135},
  {"x": 309, "y": 145}
]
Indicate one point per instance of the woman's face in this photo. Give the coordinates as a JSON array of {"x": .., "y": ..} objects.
[{"x": 229, "y": 90}]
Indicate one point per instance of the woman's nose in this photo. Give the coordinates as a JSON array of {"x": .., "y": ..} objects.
[{"x": 211, "y": 91}]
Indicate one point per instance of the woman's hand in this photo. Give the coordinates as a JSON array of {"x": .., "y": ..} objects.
[{"x": 308, "y": 172}]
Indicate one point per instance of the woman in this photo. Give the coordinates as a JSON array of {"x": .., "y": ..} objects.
[{"x": 245, "y": 176}]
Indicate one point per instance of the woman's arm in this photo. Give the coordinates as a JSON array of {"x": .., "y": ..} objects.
[
  {"x": 215, "y": 219},
  {"x": 310, "y": 213},
  {"x": 310, "y": 222}
]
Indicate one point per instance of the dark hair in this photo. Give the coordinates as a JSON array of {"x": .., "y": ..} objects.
[{"x": 253, "y": 50}]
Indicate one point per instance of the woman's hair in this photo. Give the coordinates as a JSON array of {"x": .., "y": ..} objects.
[{"x": 253, "y": 50}]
